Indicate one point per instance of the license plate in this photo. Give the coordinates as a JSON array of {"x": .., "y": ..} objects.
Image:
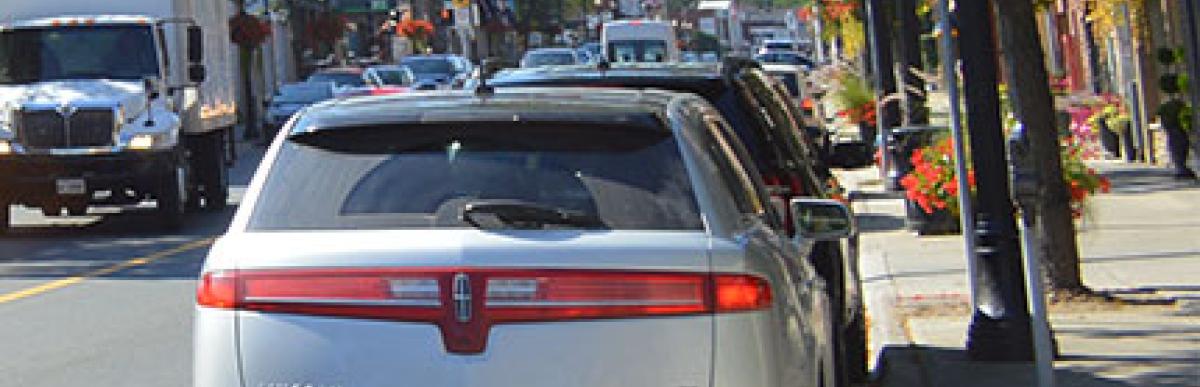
[{"x": 71, "y": 186}]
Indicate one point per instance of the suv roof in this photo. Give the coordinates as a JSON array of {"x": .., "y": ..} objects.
[
  {"x": 772, "y": 154},
  {"x": 524, "y": 104}
]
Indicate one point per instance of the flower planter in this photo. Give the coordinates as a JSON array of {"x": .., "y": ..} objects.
[{"x": 940, "y": 222}]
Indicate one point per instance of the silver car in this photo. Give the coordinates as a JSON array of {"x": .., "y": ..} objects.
[{"x": 531, "y": 237}]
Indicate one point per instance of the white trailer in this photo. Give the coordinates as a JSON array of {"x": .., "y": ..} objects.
[{"x": 112, "y": 102}]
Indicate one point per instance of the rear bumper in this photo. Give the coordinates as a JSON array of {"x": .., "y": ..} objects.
[{"x": 26, "y": 179}]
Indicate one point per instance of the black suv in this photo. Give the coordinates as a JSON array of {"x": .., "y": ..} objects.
[{"x": 768, "y": 123}]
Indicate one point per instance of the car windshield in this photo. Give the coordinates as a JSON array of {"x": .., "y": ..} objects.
[
  {"x": 638, "y": 51},
  {"x": 429, "y": 65},
  {"x": 303, "y": 94},
  {"x": 341, "y": 79},
  {"x": 104, "y": 52},
  {"x": 393, "y": 77},
  {"x": 549, "y": 59},
  {"x": 425, "y": 175}
]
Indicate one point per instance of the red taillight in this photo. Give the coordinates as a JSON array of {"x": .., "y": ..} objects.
[
  {"x": 387, "y": 90},
  {"x": 735, "y": 293},
  {"x": 577, "y": 295},
  {"x": 217, "y": 290},
  {"x": 465, "y": 303}
]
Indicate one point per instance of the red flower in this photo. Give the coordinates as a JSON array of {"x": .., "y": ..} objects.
[{"x": 1105, "y": 185}]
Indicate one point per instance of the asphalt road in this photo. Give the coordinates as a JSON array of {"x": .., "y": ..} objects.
[{"x": 104, "y": 300}]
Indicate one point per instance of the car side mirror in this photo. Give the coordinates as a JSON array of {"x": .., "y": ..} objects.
[
  {"x": 195, "y": 48},
  {"x": 197, "y": 73},
  {"x": 822, "y": 219}
]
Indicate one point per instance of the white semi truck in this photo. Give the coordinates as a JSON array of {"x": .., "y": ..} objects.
[{"x": 115, "y": 102}]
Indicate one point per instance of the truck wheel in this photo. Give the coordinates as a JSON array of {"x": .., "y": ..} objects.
[
  {"x": 4, "y": 216},
  {"x": 172, "y": 197},
  {"x": 212, "y": 170},
  {"x": 216, "y": 185}
]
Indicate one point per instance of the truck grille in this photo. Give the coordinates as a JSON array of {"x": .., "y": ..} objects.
[
  {"x": 91, "y": 127},
  {"x": 50, "y": 129},
  {"x": 43, "y": 129}
]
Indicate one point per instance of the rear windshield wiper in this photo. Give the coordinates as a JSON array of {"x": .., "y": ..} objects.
[{"x": 494, "y": 214}]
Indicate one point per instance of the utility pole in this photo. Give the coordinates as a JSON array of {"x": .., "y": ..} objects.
[{"x": 999, "y": 329}]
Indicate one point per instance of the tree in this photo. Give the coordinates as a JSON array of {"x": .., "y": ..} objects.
[{"x": 1034, "y": 108}]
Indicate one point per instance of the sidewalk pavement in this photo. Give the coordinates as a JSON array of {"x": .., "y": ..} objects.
[{"x": 1140, "y": 242}]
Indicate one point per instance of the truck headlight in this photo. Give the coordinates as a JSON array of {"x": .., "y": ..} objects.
[
  {"x": 141, "y": 142},
  {"x": 5, "y": 147}
]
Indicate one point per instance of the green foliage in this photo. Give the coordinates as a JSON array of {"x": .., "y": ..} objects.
[{"x": 852, "y": 91}]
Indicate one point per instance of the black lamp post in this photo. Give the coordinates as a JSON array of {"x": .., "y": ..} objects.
[{"x": 999, "y": 329}]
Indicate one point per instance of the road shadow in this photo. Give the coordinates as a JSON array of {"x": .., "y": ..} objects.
[{"x": 918, "y": 366}]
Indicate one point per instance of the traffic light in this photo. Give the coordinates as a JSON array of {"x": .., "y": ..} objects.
[{"x": 446, "y": 18}]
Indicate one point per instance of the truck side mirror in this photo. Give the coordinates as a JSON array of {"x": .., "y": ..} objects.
[
  {"x": 150, "y": 84},
  {"x": 197, "y": 73},
  {"x": 195, "y": 49},
  {"x": 822, "y": 219}
]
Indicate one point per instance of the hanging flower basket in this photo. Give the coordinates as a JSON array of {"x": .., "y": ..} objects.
[
  {"x": 248, "y": 31},
  {"x": 417, "y": 30},
  {"x": 326, "y": 28}
]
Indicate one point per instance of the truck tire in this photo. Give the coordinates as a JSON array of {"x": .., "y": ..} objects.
[
  {"x": 172, "y": 197},
  {"x": 5, "y": 219},
  {"x": 212, "y": 170}
]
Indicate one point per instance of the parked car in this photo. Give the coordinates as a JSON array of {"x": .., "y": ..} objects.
[
  {"x": 775, "y": 45},
  {"x": 514, "y": 239},
  {"x": 551, "y": 57},
  {"x": 795, "y": 81},
  {"x": 290, "y": 99},
  {"x": 785, "y": 57},
  {"x": 340, "y": 77},
  {"x": 390, "y": 75},
  {"x": 766, "y": 121},
  {"x": 438, "y": 71},
  {"x": 595, "y": 50}
]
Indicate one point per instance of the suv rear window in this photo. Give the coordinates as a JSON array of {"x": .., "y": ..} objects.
[{"x": 424, "y": 175}]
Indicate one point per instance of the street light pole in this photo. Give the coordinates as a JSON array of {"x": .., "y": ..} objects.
[
  {"x": 887, "y": 110},
  {"x": 999, "y": 329}
]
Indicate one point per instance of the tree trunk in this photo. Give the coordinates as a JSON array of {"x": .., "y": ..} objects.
[{"x": 1034, "y": 107}]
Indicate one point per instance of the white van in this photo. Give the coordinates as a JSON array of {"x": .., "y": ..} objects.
[{"x": 639, "y": 41}]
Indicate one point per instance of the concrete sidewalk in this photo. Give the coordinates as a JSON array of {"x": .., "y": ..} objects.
[{"x": 1140, "y": 242}]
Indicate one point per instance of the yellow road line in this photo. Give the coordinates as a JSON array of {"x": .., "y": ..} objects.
[{"x": 139, "y": 261}]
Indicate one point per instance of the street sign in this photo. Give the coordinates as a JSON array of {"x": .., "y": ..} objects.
[
  {"x": 461, "y": 4},
  {"x": 380, "y": 5}
]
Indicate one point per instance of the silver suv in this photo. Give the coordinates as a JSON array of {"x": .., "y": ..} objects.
[{"x": 532, "y": 237}]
